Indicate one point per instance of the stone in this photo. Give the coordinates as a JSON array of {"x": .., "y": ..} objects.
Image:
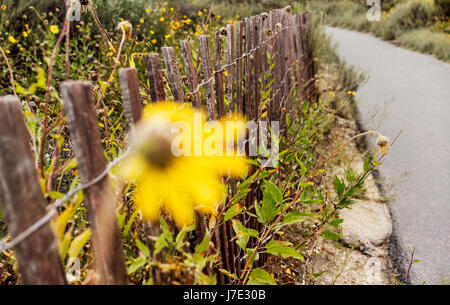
[{"x": 366, "y": 224}]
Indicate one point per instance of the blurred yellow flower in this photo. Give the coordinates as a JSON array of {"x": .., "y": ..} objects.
[
  {"x": 25, "y": 34},
  {"x": 149, "y": 10},
  {"x": 141, "y": 20},
  {"x": 351, "y": 92},
  {"x": 54, "y": 29},
  {"x": 12, "y": 39},
  {"x": 168, "y": 36},
  {"x": 3, "y": 7},
  {"x": 153, "y": 41},
  {"x": 180, "y": 184},
  {"x": 152, "y": 32},
  {"x": 7, "y": 51},
  {"x": 162, "y": 19},
  {"x": 200, "y": 13}
]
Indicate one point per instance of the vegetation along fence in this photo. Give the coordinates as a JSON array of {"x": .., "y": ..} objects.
[{"x": 268, "y": 50}]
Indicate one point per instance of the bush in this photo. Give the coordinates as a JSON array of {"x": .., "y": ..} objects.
[
  {"x": 425, "y": 41},
  {"x": 444, "y": 7},
  {"x": 405, "y": 16},
  {"x": 21, "y": 11}
]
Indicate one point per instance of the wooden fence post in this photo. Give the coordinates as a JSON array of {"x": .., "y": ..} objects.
[
  {"x": 239, "y": 74},
  {"x": 257, "y": 66},
  {"x": 131, "y": 97},
  {"x": 231, "y": 68},
  {"x": 206, "y": 71},
  {"x": 190, "y": 71},
  {"x": 82, "y": 119},
  {"x": 174, "y": 73},
  {"x": 155, "y": 77},
  {"x": 219, "y": 76},
  {"x": 248, "y": 68},
  {"x": 22, "y": 200}
]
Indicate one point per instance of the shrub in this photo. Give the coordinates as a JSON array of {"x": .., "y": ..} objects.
[
  {"x": 444, "y": 7},
  {"x": 425, "y": 41},
  {"x": 405, "y": 16}
]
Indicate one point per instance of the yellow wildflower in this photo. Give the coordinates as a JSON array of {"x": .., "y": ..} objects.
[
  {"x": 141, "y": 20},
  {"x": 351, "y": 92},
  {"x": 7, "y": 51},
  {"x": 149, "y": 10},
  {"x": 168, "y": 36},
  {"x": 162, "y": 19},
  {"x": 12, "y": 39},
  {"x": 164, "y": 9},
  {"x": 3, "y": 7},
  {"x": 152, "y": 32},
  {"x": 200, "y": 13},
  {"x": 176, "y": 183},
  {"x": 153, "y": 41},
  {"x": 54, "y": 29}
]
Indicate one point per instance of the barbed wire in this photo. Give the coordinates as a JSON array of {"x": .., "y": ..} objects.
[
  {"x": 52, "y": 209},
  {"x": 243, "y": 56}
]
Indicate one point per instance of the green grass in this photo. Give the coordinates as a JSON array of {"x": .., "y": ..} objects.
[
  {"x": 418, "y": 24},
  {"x": 425, "y": 41}
]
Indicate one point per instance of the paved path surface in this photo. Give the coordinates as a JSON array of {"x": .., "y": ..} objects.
[{"x": 410, "y": 91}]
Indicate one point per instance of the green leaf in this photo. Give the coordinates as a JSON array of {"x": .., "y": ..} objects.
[
  {"x": 336, "y": 222},
  {"x": 243, "y": 234},
  {"x": 366, "y": 166},
  {"x": 144, "y": 249},
  {"x": 56, "y": 195},
  {"x": 161, "y": 242},
  {"x": 78, "y": 243},
  {"x": 294, "y": 217},
  {"x": 232, "y": 275},
  {"x": 32, "y": 89},
  {"x": 233, "y": 211},
  {"x": 19, "y": 89},
  {"x": 179, "y": 240},
  {"x": 276, "y": 247},
  {"x": 203, "y": 246},
  {"x": 267, "y": 211},
  {"x": 129, "y": 223},
  {"x": 121, "y": 220},
  {"x": 250, "y": 253},
  {"x": 303, "y": 169},
  {"x": 274, "y": 191},
  {"x": 339, "y": 187},
  {"x": 328, "y": 235},
  {"x": 136, "y": 264},
  {"x": 260, "y": 277}
]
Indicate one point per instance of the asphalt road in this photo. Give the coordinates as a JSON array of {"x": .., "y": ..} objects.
[{"x": 410, "y": 91}]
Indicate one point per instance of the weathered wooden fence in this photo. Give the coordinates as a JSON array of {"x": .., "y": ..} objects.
[{"x": 246, "y": 56}]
